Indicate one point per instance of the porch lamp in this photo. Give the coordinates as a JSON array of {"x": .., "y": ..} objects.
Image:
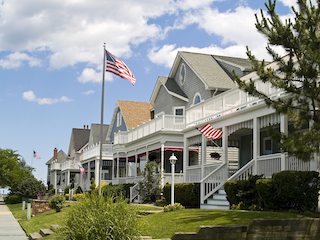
[{"x": 173, "y": 159}]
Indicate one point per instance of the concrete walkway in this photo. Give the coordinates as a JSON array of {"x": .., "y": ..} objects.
[{"x": 10, "y": 229}]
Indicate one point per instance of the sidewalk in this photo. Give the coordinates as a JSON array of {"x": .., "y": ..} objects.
[{"x": 10, "y": 229}]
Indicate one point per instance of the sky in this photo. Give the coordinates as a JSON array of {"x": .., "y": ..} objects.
[{"x": 51, "y": 58}]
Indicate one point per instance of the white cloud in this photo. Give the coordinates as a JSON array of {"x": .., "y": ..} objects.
[
  {"x": 31, "y": 97},
  {"x": 91, "y": 75},
  {"x": 16, "y": 59},
  {"x": 88, "y": 92}
]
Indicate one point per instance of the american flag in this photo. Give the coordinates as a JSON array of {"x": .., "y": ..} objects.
[
  {"x": 116, "y": 66},
  {"x": 210, "y": 132},
  {"x": 36, "y": 155},
  {"x": 82, "y": 170}
]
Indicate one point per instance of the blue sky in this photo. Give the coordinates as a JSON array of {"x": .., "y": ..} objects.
[{"x": 51, "y": 55}]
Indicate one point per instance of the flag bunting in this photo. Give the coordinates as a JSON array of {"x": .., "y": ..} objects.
[
  {"x": 210, "y": 132},
  {"x": 116, "y": 66},
  {"x": 36, "y": 155}
]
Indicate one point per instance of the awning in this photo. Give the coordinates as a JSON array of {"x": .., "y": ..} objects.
[{"x": 174, "y": 149}]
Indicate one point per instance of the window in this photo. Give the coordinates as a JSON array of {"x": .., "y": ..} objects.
[
  {"x": 267, "y": 146},
  {"x": 152, "y": 114},
  {"x": 119, "y": 119},
  {"x": 179, "y": 113},
  {"x": 197, "y": 98},
  {"x": 182, "y": 73}
]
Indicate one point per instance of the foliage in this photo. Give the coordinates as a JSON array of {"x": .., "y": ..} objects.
[
  {"x": 243, "y": 191},
  {"x": 97, "y": 218},
  {"x": 13, "y": 168},
  {"x": 77, "y": 197},
  {"x": 66, "y": 189},
  {"x": 188, "y": 194},
  {"x": 267, "y": 194},
  {"x": 174, "y": 207},
  {"x": 56, "y": 202},
  {"x": 30, "y": 187},
  {"x": 52, "y": 190},
  {"x": 93, "y": 184},
  {"x": 160, "y": 202},
  {"x": 116, "y": 191},
  {"x": 79, "y": 190},
  {"x": 149, "y": 186},
  {"x": 13, "y": 199},
  {"x": 296, "y": 74},
  {"x": 297, "y": 190}
]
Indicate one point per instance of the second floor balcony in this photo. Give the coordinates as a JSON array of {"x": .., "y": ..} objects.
[
  {"x": 159, "y": 123},
  {"x": 94, "y": 151}
]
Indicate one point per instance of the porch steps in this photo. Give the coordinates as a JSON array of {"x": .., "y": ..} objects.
[{"x": 217, "y": 201}]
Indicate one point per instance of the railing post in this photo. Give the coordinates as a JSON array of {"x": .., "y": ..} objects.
[
  {"x": 256, "y": 143},
  {"x": 284, "y": 130}
]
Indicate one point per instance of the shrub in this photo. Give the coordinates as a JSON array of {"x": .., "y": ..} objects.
[
  {"x": 56, "y": 202},
  {"x": 160, "y": 202},
  {"x": 174, "y": 207},
  {"x": 188, "y": 194},
  {"x": 52, "y": 190},
  {"x": 267, "y": 194},
  {"x": 77, "y": 197},
  {"x": 93, "y": 184},
  {"x": 116, "y": 191},
  {"x": 66, "y": 196},
  {"x": 66, "y": 189},
  {"x": 13, "y": 199},
  {"x": 79, "y": 190},
  {"x": 97, "y": 218},
  {"x": 29, "y": 188}
]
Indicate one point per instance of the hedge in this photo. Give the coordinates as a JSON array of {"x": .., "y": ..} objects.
[{"x": 187, "y": 194}]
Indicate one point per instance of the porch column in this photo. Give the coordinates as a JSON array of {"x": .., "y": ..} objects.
[
  {"x": 162, "y": 165},
  {"x": 136, "y": 167},
  {"x": 118, "y": 163},
  {"x": 203, "y": 154},
  {"x": 256, "y": 143},
  {"x": 185, "y": 158},
  {"x": 225, "y": 150},
  {"x": 68, "y": 178},
  {"x": 55, "y": 181},
  {"x": 284, "y": 130},
  {"x": 112, "y": 174},
  {"x": 96, "y": 171},
  {"x": 127, "y": 165}
]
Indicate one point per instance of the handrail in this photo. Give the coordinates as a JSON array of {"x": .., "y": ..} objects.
[{"x": 245, "y": 169}]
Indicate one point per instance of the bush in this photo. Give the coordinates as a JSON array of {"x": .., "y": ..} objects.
[
  {"x": 56, "y": 202},
  {"x": 116, "y": 191},
  {"x": 79, "y": 190},
  {"x": 29, "y": 188},
  {"x": 188, "y": 194},
  {"x": 13, "y": 199},
  {"x": 93, "y": 184},
  {"x": 97, "y": 218},
  {"x": 77, "y": 197},
  {"x": 52, "y": 190},
  {"x": 175, "y": 207},
  {"x": 66, "y": 189},
  {"x": 297, "y": 190},
  {"x": 267, "y": 194}
]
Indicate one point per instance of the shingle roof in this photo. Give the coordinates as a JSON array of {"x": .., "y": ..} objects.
[
  {"x": 61, "y": 157},
  {"x": 80, "y": 137},
  {"x": 95, "y": 133},
  {"x": 208, "y": 69},
  {"x": 135, "y": 113}
]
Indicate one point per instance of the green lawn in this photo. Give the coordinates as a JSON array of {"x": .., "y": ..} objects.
[{"x": 158, "y": 225}]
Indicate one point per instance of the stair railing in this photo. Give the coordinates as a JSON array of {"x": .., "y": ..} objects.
[
  {"x": 134, "y": 191},
  {"x": 217, "y": 178}
]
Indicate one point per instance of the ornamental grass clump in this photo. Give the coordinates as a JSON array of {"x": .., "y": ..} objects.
[
  {"x": 95, "y": 217},
  {"x": 175, "y": 207}
]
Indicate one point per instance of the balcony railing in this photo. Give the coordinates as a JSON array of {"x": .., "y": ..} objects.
[
  {"x": 163, "y": 122},
  {"x": 227, "y": 102},
  {"x": 70, "y": 165},
  {"x": 94, "y": 151},
  {"x": 55, "y": 166}
]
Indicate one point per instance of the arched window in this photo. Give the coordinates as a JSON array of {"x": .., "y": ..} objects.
[{"x": 196, "y": 99}]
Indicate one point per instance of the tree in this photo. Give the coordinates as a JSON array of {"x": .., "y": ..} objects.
[
  {"x": 149, "y": 187},
  {"x": 13, "y": 168},
  {"x": 296, "y": 74},
  {"x": 29, "y": 187}
]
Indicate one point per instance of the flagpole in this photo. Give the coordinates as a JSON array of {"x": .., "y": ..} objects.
[{"x": 101, "y": 126}]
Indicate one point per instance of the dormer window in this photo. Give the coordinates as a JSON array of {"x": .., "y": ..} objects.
[
  {"x": 119, "y": 119},
  {"x": 182, "y": 73}
]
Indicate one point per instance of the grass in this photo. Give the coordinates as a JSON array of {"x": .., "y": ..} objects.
[{"x": 158, "y": 225}]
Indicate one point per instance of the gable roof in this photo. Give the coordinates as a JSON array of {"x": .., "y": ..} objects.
[
  {"x": 94, "y": 137},
  {"x": 79, "y": 137},
  {"x": 135, "y": 113},
  {"x": 61, "y": 157}
]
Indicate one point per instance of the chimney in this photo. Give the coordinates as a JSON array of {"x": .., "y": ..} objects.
[
  {"x": 55, "y": 154},
  {"x": 87, "y": 126},
  {"x": 84, "y": 126}
]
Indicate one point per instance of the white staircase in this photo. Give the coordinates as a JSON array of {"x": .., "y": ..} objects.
[{"x": 217, "y": 201}]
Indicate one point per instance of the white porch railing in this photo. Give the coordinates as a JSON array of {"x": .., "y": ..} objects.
[
  {"x": 292, "y": 163},
  {"x": 163, "y": 122},
  {"x": 134, "y": 192},
  {"x": 225, "y": 103},
  {"x": 70, "y": 165},
  {"x": 193, "y": 173},
  {"x": 167, "y": 178},
  {"x": 94, "y": 151},
  {"x": 55, "y": 166},
  {"x": 268, "y": 164}
]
